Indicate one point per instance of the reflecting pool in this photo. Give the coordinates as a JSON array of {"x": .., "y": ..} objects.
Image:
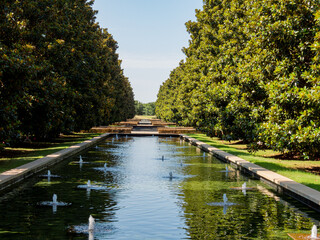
[{"x": 149, "y": 188}]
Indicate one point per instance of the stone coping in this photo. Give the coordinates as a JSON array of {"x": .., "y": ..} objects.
[
  {"x": 305, "y": 194},
  {"x": 16, "y": 175}
]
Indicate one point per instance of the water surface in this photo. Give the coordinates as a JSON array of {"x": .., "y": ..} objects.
[{"x": 137, "y": 199}]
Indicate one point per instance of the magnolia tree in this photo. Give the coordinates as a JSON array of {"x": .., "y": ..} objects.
[
  {"x": 59, "y": 71},
  {"x": 251, "y": 73}
]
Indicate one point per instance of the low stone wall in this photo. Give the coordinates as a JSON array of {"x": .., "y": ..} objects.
[
  {"x": 306, "y": 195},
  {"x": 176, "y": 130},
  {"x": 133, "y": 123},
  {"x": 158, "y": 122},
  {"x": 18, "y": 174},
  {"x": 111, "y": 130}
]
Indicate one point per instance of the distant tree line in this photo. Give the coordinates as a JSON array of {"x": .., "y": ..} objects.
[
  {"x": 59, "y": 70},
  {"x": 145, "y": 108},
  {"x": 252, "y": 73}
]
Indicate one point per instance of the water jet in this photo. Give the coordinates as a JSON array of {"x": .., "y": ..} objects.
[
  {"x": 91, "y": 224},
  {"x": 305, "y": 236}
]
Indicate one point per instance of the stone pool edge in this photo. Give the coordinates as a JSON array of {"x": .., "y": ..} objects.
[
  {"x": 302, "y": 193},
  {"x": 16, "y": 175}
]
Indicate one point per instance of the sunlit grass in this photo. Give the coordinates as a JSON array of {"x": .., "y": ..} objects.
[
  {"x": 292, "y": 169},
  {"x": 23, "y": 155}
]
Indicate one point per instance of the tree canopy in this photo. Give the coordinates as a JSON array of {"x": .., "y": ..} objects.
[
  {"x": 145, "y": 108},
  {"x": 251, "y": 73},
  {"x": 59, "y": 70}
]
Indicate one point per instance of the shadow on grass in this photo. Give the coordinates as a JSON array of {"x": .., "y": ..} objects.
[
  {"x": 30, "y": 153},
  {"x": 229, "y": 149}
]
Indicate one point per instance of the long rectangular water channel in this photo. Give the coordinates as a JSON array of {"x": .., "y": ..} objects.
[{"x": 149, "y": 188}]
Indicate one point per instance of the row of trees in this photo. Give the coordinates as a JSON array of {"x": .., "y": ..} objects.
[
  {"x": 252, "y": 73},
  {"x": 59, "y": 70},
  {"x": 145, "y": 108}
]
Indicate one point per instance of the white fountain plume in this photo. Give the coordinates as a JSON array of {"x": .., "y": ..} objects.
[
  {"x": 91, "y": 236},
  {"x": 54, "y": 208},
  {"x": 49, "y": 176},
  {"x": 80, "y": 161},
  {"x": 91, "y": 224},
  {"x": 88, "y": 192},
  {"x": 90, "y": 186},
  {"x": 105, "y": 167},
  {"x": 54, "y": 203},
  {"x": 227, "y": 169},
  {"x": 54, "y": 199},
  {"x": 225, "y": 204},
  {"x": 244, "y": 188},
  {"x": 314, "y": 232},
  {"x": 204, "y": 154},
  {"x": 225, "y": 208},
  {"x": 225, "y": 199}
]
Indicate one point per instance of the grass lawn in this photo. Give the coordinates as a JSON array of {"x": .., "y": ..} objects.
[
  {"x": 14, "y": 157},
  {"x": 302, "y": 171}
]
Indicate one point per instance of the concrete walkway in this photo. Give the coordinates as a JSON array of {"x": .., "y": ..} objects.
[
  {"x": 282, "y": 184},
  {"x": 16, "y": 175}
]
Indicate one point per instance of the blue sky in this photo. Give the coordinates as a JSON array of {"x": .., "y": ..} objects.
[{"x": 150, "y": 35}]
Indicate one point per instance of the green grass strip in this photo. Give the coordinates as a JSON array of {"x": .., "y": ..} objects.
[
  {"x": 15, "y": 157},
  {"x": 292, "y": 169}
]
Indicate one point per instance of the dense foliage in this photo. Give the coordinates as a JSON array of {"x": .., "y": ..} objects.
[
  {"x": 59, "y": 71},
  {"x": 145, "y": 108},
  {"x": 252, "y": 73}
]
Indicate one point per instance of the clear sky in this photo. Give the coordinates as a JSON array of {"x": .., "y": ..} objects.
[{"x": 150, "y": 35}]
